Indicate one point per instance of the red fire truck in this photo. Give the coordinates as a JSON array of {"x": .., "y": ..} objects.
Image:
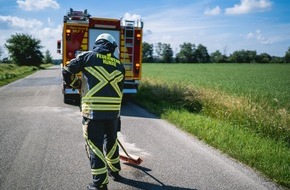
[{"x": 80, "y": 31}]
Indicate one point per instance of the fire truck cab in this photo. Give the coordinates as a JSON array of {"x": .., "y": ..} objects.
[{"x": 80, "y": 31}]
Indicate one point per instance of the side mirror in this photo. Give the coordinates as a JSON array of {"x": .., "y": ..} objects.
[{"x": 58, "y": 47}]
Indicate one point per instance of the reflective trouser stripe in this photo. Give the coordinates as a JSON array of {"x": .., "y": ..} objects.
[
  {"x": 111, "y": 161},
  {"x": 100, "y": 155},
  {"x": 99, "y": 171},
  {"x": 96, "y": 151}
]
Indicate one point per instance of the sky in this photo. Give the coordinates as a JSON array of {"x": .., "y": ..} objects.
[{"x": 224, "y": 25}]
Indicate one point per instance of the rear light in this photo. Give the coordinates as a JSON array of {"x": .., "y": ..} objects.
[
  {"x": 68, "y": 34},
  {"x": 138, "y": 36},
  {"x": 137, "y": 68}
]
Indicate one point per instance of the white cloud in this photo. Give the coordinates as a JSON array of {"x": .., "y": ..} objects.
[
  {"x": 17, "y": 22},
  {"x": 259, "y": 37},
  {"x": 131, "y": 17},
  {"x": 212, "y": 12},
  {"x": 48, "y": 37},
  {"x": 34, "y": 5},
  {"x": 247, "y": 6},
  {"x": 49, "y": 22}
]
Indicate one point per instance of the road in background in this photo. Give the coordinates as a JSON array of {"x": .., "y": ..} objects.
[{"x": 42, "y": 147}]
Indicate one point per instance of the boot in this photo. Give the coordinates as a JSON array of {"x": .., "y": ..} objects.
[
  {"x": 115, "y": 176},
  {"x": 92, "y": 186}
]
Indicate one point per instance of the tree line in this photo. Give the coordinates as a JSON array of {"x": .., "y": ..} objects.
[
  {"x": 25, "y": 50},
  {"x": 190, "y": 53}
]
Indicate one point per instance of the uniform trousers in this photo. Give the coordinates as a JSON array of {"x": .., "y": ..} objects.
[{"x": 102, "y": 148}]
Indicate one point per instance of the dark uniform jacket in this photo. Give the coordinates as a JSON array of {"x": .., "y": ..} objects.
[{"x": 102, "y": 82}]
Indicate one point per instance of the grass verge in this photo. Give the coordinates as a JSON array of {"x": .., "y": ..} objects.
[
  {"x": 252, "y": 133},
  {"x": 12, "y": 72}
]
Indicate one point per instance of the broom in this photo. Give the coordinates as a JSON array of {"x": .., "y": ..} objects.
[{"x": 133, "y": 159}]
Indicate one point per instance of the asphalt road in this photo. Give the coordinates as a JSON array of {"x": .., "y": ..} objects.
[{"x": 41, "y": 146}]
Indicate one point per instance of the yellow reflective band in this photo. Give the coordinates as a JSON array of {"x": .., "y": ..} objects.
[
  {"x": 99, "y": 171},
  {"x": 100, "y": 85},
  {"x": 113, "y": 168},
  {"x": 96, "y": 151},
  {"x": 112, "y": 151},
  {"x": 114, "y": 84},
  {"x": 116, "y": 75},
  {"x": 113, "y": 161},
  {"x": 109, "y": 76},
  {"x": 106, "y": 180},
  {"x": 101, "y": 100},
  {"x": 101, "y": 107},
  {"x": 74, "y": 80}
]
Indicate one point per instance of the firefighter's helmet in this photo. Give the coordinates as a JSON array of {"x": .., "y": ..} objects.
[{"x": 108, "y": 37}]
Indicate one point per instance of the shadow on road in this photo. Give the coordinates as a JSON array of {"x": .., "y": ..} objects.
[
  {"x": 147, "y": 185},
  {"x": 132, "y": 110}
]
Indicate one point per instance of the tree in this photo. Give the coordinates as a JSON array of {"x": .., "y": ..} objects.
[
  {"x": 186, "y": 53},
  {"x": 264, "y": 58},
  {"x": 47, "y": 57},
  {"x": 243, "y": 56},
  {"x": 147, "y": 52},
  {"x": 287, "y": 56},
  {"x": 164, "y": 52},
  {"x": 24, "y": 49},
  {"x": 218, "y": 57},
  {"x": 202, "y": 54},
  {"x": 167, "y": 53}
]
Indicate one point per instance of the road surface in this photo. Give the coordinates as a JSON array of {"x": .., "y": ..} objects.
[{"x": 42, "y": 147}]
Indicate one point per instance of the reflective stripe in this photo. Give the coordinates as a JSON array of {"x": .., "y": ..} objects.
[
  {"x": 99, "y": 154},
  {"x": 72, "y": 84},
  {"x": 89, "y": 102},
  {"x": 113, "y": 150},
  {"x": 114, "y": 84},
  {"x": 100, "y": 107},
  {"x": 96, "y": 151},
  {"x": 113, "y": 168},
  {"x": 100, "y": 85},
  {"x": 101, "y": 100},
  {"x": 99, "y": 171},
  {"x": 106, "y": 180},
  {"x": 111, "y": 161}
]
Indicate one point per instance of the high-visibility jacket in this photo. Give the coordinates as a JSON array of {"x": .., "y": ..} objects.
[{"x": 102, "y": 82}]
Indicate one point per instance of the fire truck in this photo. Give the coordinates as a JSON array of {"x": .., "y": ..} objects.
[{"x": 80, "y": 31}]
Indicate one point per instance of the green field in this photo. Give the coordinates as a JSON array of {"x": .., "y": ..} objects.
[
  {"x": 241, "y": 109},
  {"x": 262, "y": 83}
]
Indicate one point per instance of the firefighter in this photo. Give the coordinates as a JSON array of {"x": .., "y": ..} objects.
[{"x": 101, "y": 91}]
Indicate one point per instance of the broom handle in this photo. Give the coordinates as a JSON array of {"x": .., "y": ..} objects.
[{"x": 123, "y": 148}]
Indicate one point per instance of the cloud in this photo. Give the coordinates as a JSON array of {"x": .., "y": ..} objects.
[
  {"x": 247, "y": 6},
  {"x": 259, "y": 37},
  {"x": 17, "y": 22},
  {"x": 131, "y": 17},
  {"x": 212, "y": 12},
  {"x": 35, "y": 5}
]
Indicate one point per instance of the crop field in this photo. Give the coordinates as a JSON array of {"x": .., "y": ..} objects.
[
  {"x": 241, "y": 109},
  {"x": 260, "y": 83}
]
